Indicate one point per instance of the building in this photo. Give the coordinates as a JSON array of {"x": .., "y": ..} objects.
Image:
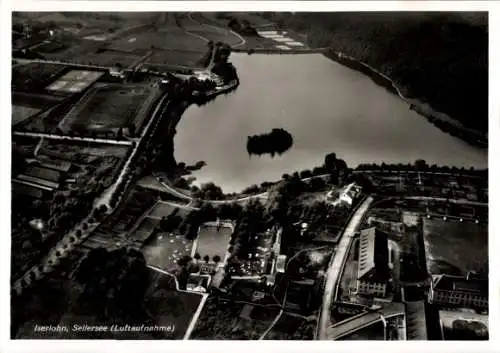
[
  {"x": 373, "y": 263},
  {"x": 459, "y": 291},
  {"x": 345, "y": 197},
  {"x": 281, "y": 264}
]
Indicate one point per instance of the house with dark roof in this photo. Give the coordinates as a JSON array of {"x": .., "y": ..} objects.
[
  {"x": 373, "y": 266},
  {"x": 468, "y": 291}
]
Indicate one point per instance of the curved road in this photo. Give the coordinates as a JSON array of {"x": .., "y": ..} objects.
[
  {"x": 336, "y": 266},
  {"x": 358, "y": 322}
]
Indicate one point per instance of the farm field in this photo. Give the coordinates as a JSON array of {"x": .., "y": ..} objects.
[
  {"x": 211, "y": 241},
  {"x": 111, "y": 58},
  {"x": 164, "y": 38},
  {"x": 110, "y": 107},
  {"x": 198, "y": 25},
  {"x": 455, "y": 247},
  {"x": 188, "y": 58},
  {"x": 221, "y": 319}
]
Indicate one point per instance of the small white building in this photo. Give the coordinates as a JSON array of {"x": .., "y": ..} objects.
[{"x": 344, "y": 197}]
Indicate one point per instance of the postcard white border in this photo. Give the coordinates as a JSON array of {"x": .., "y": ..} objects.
[{"x": 8, "y": 345}]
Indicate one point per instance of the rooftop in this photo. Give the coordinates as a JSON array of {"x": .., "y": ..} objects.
[
  {"x": 461, "y": 284},
  {"x": 373, "y": 254}
]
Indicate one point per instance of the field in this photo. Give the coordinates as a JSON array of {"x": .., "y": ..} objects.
[
  {"x": 164, "y": 38},
  {"x": 21, "y": 113},
  {"x": 56, "y": 303},
  {"x": 221, "y": 319},
  {"x": 111, "y": 58},
  {"x": 26, "y": 77},
  {"x": 75, "y": 81},
  {"x": 175, "y": 57},
  {"x": 163, "y": 209},
  {"x": 109, "y": 107},
  {"x": 211, "y": 241},
  {"x": 455, "y": 247},
  {"x": 170, "y": 307}
]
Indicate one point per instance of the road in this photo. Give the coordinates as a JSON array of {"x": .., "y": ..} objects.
[
  {"x": 337, "y": 264},
  {"x": 204, "y": 296},
  {"x": 106, "y": 196},
  {"x": 213, "y": 202},
  {"x": 74, "y": 138},
  {"x": 358, "y": 322},
  {"x": 262, "y": 195}
]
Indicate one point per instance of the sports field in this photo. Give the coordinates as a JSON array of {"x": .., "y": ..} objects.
[
  {"x": 108, "y": 107},
  {"x": 75, "y": 81},
  {"x": 455, "y": 247},
  {"x": 212, "y": 240}
]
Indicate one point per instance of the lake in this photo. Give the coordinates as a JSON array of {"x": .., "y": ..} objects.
[{"x": 325, "y": 106}]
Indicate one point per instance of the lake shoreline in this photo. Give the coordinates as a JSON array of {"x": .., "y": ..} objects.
[{"x": 438, "y": 119}]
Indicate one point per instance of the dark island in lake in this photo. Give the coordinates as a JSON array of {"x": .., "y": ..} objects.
[{"x": 276, "y": 141}]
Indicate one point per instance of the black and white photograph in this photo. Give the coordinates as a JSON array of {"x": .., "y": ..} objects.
[{"x": 249, "y": 175}]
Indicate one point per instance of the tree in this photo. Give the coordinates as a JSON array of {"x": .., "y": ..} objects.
[
  {"x": 206, "y": 258},
  {"x": 216, "y": 258},
  {"x": 420, "y": 164},
  {"x": 330, "y": 161},
  {"x": 197, "y": 256}
]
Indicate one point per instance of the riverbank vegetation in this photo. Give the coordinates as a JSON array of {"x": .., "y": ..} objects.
[
  {"x": 277, "y": 141},
  {"x": 439, "y": 58}
]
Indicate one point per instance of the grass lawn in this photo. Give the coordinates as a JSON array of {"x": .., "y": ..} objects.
[
  {"x": 175, "y": 57},
  {"x": 21, "y": 113},
  {"x": 212, "y": 242},
  {"x": 164, "y": 38},
  {"x": 454, "y": 247}
]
